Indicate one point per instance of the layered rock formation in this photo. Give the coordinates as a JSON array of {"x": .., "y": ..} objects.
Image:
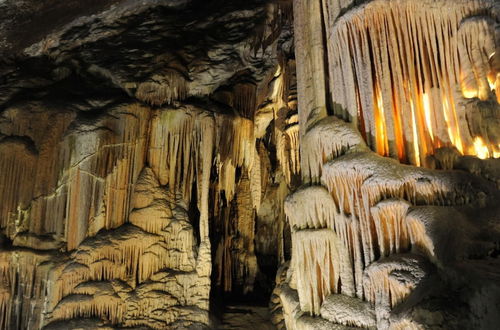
[
  {"x": 375, "y": 243},
  {"x": 138, "y": 143},
  {"x": 163, "y": 159}
]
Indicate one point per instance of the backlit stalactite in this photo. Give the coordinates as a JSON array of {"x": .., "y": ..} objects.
[{"x": 413, "y": 64}]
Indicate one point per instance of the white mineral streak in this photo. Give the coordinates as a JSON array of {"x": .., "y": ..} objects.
[{"x": 397, "y": 67}]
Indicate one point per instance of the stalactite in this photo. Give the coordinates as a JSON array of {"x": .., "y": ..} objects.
[
  {"x": 75, "y": 306},
  {"x": 245, "y": 99},
  {"x": 389, "y": 281},
  {"x": 18, "y": 163},
  {"x": 476, "y": 43},
  {"x": 23, "y": 288},
  {"x": 29, "y": 153},
  {"x": 315, "y": 259},
  {"x": 256, "y": 181},
  {"x": 286, "y": 126},
  {"x": 430, "y": 56},
  {"x": 163, "y": 88},
  {"x": 77, "y": 170},
  {"x": 310, "y": 208},
  {"x": 331, "y": 138},
  {"x": 171, "y": 147},
  {"x": 392, "y": 232},
  {"x": 236, "y": 147},
  {"x": 124, "y": 195},
  {"x": 379, "y": 178}
]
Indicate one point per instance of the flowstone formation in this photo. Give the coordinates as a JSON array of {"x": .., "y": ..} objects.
[
  {"x": 376, "y": 243},
  {"x": 183, "y": 164}
]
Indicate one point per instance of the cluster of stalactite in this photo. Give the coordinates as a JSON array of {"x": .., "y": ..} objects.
[
  {"x": 357, "y": 228},
  {"x": 402, "y": 71},
  {"x": 125, "y": 200},
  {"x": 115, "y": 193},
  {"x": 367, "y": 231},
  {"x": 119, "y": 240},
  {"x": 248, "y": 178},
  {"x": 73, "y": 175}
]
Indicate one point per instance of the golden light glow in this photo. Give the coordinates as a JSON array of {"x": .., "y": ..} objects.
[
  {"x": 492, "y": 83},
  {"x": 450, "y": 118},
  {"x": 446, "y": 108},
  {"x": 469, "y": 93},
  {"x": 482, "y": 151},
  {"x": 480, "y": 148},
  {"x": 379, "y": 116},
  {"x": 427, "y": 129},
  {"x": 427, "y": 114},
  {"x": 415, "y": 135}
]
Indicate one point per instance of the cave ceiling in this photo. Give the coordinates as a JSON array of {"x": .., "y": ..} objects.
[{"x": 200, "y": 49}]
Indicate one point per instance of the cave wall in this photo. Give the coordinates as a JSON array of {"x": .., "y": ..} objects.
[
  {"x": 143, "y": 146},
  {"x": 161, "y": 159}
]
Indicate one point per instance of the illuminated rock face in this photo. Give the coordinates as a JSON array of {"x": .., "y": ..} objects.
[
  {"x": 158, "y": 157},
  {"x": 141, "y": 150},
  {"x": 412, "y": 64},
  {"x": 375, "y": 243}
]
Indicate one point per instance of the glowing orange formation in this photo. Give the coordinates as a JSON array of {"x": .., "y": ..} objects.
[{"x": 482, "y": 151}]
